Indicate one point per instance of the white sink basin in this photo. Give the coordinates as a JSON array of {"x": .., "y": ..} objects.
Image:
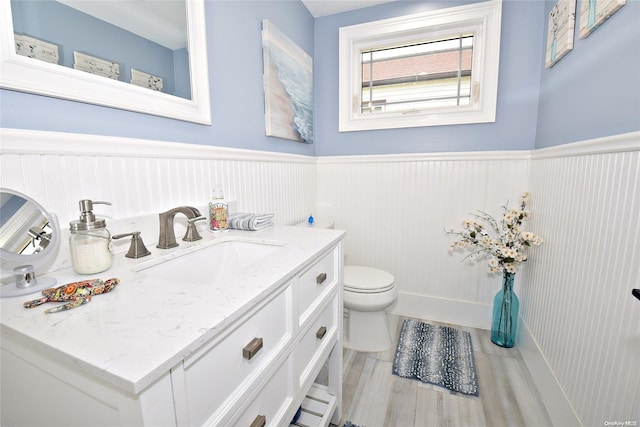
[{"x": 207, "y": 263}]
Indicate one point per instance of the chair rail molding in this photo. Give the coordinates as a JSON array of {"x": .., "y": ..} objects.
[{"x": 22, "y": 141}]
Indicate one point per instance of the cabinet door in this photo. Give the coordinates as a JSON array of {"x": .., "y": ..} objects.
[
  {"x": 270, "y": 404},
  {"x": 219, "y": 376},
  {"x": 40, "y": 391},
  {"x": 315, "y": 283},
  {"x": 317, "y": 340}
]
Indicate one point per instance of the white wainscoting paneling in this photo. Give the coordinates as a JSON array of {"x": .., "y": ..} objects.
[
  {"x": 395, "y": 210},
  {"x": 578, "y": 305},
  {"x": 581, "y": 325},
  {"x": 141, "y": 177}
]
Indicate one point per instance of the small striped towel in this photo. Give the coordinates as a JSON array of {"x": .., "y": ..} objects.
[{"x": 249, "y": 221}]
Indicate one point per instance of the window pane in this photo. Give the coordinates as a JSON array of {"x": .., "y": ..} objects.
[{"x": 419, "y": 76}]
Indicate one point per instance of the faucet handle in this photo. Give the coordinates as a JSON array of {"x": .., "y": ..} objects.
[
  {"x": 192, "y": 232},
  {"x": 137, "y": 248}
]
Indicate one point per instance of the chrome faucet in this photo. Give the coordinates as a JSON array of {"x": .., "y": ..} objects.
[{"x": 167, "y": 235}]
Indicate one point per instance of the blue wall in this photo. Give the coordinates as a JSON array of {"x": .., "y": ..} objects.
[
  {"x": 594, "y": 91},
  {"x": 521, "y": 47},
  {"x": 181, "y": 71},
  {"x": 234, "y": 43}
]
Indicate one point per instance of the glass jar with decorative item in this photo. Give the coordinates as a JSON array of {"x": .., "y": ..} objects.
[
  {"x": 504, "y": 244},
  {"x": 504, "y": 323}
]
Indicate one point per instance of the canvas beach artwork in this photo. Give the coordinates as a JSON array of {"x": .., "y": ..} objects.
[{"x": 288, "y": 87}]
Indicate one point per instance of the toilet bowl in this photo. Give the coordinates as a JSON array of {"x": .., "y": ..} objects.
[{"x": 367, "y": 292}]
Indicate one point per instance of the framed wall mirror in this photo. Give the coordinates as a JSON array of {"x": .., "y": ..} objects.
[{"x": 123, "y": 54}]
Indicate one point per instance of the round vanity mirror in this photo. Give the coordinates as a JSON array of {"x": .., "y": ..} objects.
[{"x": 29, "y": 238}]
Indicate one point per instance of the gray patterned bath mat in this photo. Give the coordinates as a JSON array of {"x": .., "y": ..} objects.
[{"x": 438, "y": 355}]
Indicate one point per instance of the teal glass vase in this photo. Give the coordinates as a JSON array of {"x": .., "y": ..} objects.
[{"x": 504, "y": 323}]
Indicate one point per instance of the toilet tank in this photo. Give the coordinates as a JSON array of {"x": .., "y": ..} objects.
[{"x": 322, "y": 223}]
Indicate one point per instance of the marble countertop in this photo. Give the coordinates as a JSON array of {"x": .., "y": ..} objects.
[{"x": 133, "y": 335}]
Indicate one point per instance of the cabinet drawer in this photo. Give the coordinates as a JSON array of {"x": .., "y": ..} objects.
[
  {"x": 320, "y": 335},
  {"x": 271, "y": 402},
  {"x": 223, "y": 371},
  {"x": 319, "y": 279}
]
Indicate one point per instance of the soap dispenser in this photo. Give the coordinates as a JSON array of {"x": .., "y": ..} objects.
[{"x": 89, "y": 241}]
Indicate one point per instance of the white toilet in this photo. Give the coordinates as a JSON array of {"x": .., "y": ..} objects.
[{"x": 367, "y": 293}]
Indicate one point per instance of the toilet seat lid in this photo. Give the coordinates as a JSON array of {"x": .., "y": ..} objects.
[{"x": 366, "y": 279}]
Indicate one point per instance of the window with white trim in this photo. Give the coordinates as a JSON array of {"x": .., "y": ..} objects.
[{"x": 427, "y": 69}]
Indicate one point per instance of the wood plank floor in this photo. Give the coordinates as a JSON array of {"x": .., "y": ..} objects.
[{"x": 374, "y": 397}]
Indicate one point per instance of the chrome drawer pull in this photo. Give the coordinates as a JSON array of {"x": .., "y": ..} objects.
[
  {"x": 321, "y": 332},
  {"x": 260, "y": 421},
  {"x": 321, "y": 278},
  {"x": 252, "y": 348}
]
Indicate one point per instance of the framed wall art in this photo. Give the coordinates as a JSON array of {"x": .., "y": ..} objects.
[
  {"x": 594, "y": 12},
  {"x": 560, "y": 31},
  {"x": 142, "y": 79},
  {"x": 36, "y": 48},
  {"x": 94, "y": 65},
  {"x": 288, "y": 87}
]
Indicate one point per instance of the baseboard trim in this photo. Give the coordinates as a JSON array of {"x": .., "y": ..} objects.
[
  {"x": 463, "y": 313},
  {"x": 560, "y": 410}
]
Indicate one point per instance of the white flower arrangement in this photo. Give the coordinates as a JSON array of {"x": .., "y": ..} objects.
[{"x": 502, "y": 242}]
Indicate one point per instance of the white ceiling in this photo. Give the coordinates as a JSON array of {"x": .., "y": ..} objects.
[
  {"x": 320, "y": 8},
  {"x": 162, "y": 21}
]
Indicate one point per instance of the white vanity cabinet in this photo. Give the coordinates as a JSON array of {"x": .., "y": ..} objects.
[
  {"x": 297, "y": 328},
  {"x": 38, "y": 390},
  {"x": 213, "y": 381},
  {"x": 170, "y": 356}
]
